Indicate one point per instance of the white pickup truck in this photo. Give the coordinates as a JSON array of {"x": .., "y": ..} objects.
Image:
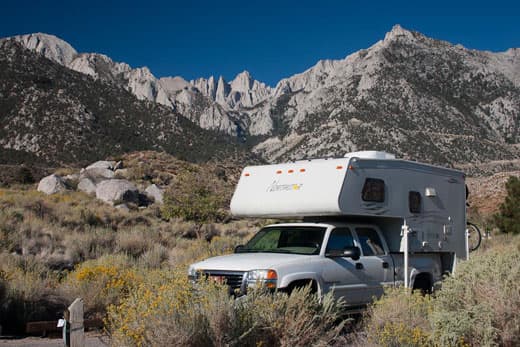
[
  {"x": 351, "y": 259},
  {"x": 367, "y": 220}
]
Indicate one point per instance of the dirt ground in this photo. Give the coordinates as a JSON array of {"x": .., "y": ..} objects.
[{"x": 92, "y": 340}]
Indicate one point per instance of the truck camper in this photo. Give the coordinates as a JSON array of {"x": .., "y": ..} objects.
[{"x": 365, "y": 221}]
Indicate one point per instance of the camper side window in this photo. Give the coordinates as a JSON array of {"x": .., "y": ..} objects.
[
  {"x": 414, "y": 202},
  {"x": 373, "y": 190}
]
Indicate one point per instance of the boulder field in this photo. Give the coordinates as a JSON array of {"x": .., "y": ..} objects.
[{"x": 106, "y": 180}]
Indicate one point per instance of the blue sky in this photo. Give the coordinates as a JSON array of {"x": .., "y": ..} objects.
[{"x": 271, "y": 39}]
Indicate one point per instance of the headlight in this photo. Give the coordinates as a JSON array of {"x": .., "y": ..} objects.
[{"x": 265, "y": 278}]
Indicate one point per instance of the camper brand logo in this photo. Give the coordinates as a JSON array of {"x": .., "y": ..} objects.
[{"x": 276, "y": 187}]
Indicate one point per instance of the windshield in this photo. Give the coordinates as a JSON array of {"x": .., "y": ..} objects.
[{"x": 287, "y": 239}]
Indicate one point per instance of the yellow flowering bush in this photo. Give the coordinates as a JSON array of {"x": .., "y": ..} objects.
[
  {"x": 166, "y": 297},
  {"x": 400, "y": 318},
  {"x": 103, "y": 281},
  {"x": 170, "y": 311}
]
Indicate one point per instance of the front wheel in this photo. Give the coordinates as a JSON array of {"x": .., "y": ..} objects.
[
  {"x": 303, "y": 285},
  {"x": 474, "y": 236}
]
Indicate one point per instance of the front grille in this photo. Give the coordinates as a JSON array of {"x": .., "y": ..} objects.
[{"x": 232, "y": 278}]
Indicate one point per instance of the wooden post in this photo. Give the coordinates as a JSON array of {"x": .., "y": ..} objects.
[{"x": 77, "y": 331}]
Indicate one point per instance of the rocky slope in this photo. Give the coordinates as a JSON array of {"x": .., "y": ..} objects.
[
  {"x": 204, "y": 101},
  {"x": 52, "y": 114},
  {"x": 408, "y": 94},
  {"x": 488, "y": 192}
]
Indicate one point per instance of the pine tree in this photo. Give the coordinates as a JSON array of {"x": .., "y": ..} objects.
[{"x": 508, "y": 217}]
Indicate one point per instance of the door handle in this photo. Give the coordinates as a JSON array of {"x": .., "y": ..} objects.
[
  {"x": 359, "y": 266},
  {"x": 385, "y": 265}
]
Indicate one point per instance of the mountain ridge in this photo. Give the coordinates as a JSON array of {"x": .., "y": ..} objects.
[
  {"x": 419, "y": 97},
  {"x": 51, "y": 114}
]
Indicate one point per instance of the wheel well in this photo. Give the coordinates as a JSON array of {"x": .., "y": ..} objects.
[
  {"x": 302, "y": 284},
  {"x": 423, "y": 282}
]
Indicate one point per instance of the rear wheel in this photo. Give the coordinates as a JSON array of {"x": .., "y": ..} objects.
[
  {"x": 423, "y": 283},
  {"x": 474, "y": 236}
]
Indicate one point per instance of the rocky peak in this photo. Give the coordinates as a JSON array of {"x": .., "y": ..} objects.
[
  {"x": 399, "y": 33},
  {"x": 223, "y": 90},
  {"x": 242, "y": 82},
  {"x": 140, "y": 81},
  {"x": 98, "y": 66},
  {"x": 364, "y": 64},
  {"x": 514, "y": 53},
  {"x": 242, "y": 91},
  {"x": 309, "y": 79},
  {"x": 143, "y": 72},
  {"x": 174, "y": 84},
  {"x": 50, "y": 46}
]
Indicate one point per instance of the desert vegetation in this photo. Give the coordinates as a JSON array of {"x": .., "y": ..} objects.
[
  {"x": 54, "y": 248},
  {"x": 166, "y": 311},
  {"x": 508, "y": 216},
  {"x": 130, "y": 268},
  {"x": 478, "y": 306}
]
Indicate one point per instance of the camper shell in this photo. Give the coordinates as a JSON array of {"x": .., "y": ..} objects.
[
  {"x": 365, "y": 186},
  {"x": 352, "y": 226}
]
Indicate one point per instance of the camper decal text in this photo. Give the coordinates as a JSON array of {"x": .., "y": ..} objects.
[{"x": 276, "y": 187}]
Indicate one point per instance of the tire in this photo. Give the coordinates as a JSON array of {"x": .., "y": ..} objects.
[
  {"x": 423, "y": 283},
  {"x": 474, "y": 236}
]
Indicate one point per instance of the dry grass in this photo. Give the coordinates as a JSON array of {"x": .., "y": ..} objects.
[
  {"x": 30, "y": 292},
  {"x": 481, "y": 303},
  {"x": 72, "y": 233},
  {"x": 135, "y": 242},
  {"x": 154, "y": 258},
  {"x": 57, "y": 233}
]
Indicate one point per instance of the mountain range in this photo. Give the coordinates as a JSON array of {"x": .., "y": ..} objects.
[
  {"x": 52, "y": 115},
  {"x": 417, "y": 97}
]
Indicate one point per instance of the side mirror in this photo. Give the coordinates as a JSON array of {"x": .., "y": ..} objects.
[
  {"x": 352, "y": 252},
  {"x": 349, "y": 252},
  {"x": 239, "y": 248}
]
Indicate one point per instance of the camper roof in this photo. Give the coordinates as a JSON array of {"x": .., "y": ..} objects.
[
  {"x": 301, "y": 188},
  {"x": 310, "y": 187}
]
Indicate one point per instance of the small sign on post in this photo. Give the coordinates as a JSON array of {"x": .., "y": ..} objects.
[{"x": 77, "y": 331}]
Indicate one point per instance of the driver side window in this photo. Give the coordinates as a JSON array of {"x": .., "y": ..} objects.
[{"x": 340, "y": 238}]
